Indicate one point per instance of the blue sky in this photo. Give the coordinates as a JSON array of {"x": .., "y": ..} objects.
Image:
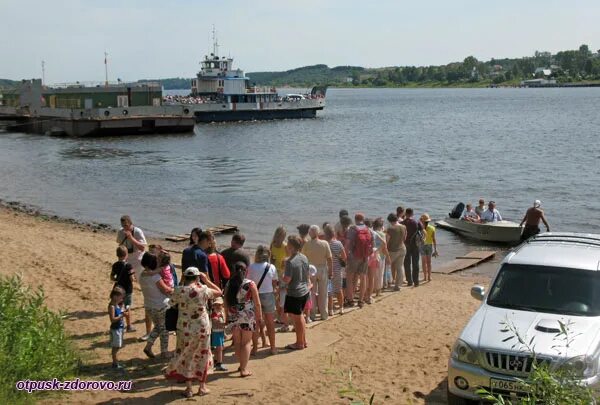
[{"x": 158, "y": 39}]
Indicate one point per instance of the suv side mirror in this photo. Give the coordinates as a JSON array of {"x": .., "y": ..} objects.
[{"x": 478, "y": 292}]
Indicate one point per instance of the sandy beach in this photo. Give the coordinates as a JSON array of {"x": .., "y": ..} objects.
[{"x": 395, "y": 349}]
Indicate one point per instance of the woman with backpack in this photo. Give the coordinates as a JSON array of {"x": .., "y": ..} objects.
[{"x": 359, "y": 247}]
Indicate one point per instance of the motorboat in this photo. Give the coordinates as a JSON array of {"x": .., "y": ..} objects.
[{"x": 499, "y": 231}]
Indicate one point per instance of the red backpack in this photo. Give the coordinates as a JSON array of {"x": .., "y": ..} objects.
[{"x": 363, "y": 243}]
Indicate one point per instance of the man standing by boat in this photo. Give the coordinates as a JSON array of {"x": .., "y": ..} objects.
[
  {"x": 491, "y": 214},
  {"x": 532, "y": 219}
]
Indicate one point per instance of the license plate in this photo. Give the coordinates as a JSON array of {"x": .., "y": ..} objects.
[{"x": 511, "y": 386}]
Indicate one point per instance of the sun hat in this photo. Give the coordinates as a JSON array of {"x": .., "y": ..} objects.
[
  {"x": 425, "y": 218},
  {"x": 537, "y": 203},
  {"x": 191, "y": 272},
  {"x": 218, "y": 300}
]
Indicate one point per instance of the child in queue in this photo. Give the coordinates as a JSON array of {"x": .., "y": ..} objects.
[
  {"x": 123, "y": 274},
  {"x": 217, "y": 334},
  {"x": 116, "y": 312},
  {"x": 313, "y": 294},
  {"x": 165, "y": 269}
]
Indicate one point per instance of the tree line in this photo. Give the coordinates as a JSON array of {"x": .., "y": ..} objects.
[
  {"x": 570, "y": 66},
  {"x": 565, "y": 66}
]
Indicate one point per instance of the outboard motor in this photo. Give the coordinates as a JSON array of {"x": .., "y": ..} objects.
[{"x": 457, "y": 211}]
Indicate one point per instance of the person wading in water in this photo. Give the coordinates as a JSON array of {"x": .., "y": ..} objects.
[{"x": 532, "y": 219}]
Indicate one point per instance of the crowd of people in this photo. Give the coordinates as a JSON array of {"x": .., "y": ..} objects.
[
  {"x": 186, "y": 99},
  {"x": 293, "y": 280}
]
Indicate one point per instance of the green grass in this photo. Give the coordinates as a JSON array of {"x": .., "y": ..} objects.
[{"x": 33, "y": 341}]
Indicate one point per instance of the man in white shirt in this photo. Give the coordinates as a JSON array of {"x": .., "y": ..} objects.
[
  {"x": 491, "y": 214},
  {"x": 470, "y": 215},
  {"x": 134, "y": 240}
]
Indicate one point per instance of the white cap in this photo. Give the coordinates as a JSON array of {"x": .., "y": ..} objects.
[
  {"x": 537, "y": 203},
  {"x": 191, "y": 271}
]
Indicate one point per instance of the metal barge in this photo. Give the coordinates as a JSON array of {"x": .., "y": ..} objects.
[
  {"x": 79, "y": 111},
  {"x": 218, "y": 93}
]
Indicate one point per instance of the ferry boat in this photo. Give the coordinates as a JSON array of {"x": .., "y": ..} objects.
[
  {"x": 218, "y": 93},
  {"x": 221, "y": 93}
]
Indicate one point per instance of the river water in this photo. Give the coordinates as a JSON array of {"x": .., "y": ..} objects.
[{"x": 369, "y": 150}]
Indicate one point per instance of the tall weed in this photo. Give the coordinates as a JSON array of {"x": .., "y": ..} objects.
[{"x": 33, "y": 342}]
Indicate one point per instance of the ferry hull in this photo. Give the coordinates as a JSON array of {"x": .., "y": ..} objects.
[
  {"x": 93, "y": 128},
  {"x": 253, "y": 115}
]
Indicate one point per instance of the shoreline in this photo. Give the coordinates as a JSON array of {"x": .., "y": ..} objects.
[
  {"x": 484, "y": 269},
  {"x": 366, "y": 341},
  {"x": 37, "y": 212}
]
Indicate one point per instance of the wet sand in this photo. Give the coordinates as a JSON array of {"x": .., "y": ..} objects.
[{"x": 395, "y": 349}]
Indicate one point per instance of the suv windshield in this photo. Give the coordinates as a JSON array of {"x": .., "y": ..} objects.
[{"x": 547, "y": 289}]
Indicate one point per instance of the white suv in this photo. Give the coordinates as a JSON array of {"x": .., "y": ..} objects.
[{"x": 550, "y": 278}]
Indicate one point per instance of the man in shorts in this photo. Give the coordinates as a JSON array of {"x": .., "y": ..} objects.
[{"x": 532, "y": 219}]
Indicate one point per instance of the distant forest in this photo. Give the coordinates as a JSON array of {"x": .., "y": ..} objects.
[
  {"x": 565, "y": 66},
  {"x": 571, "y": 66}
]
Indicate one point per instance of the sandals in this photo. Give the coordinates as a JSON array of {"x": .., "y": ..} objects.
[
  {"x": 293, "y": 347},
  {"x": 187, "y": 394},
  {"x": 245, "y": 374}
]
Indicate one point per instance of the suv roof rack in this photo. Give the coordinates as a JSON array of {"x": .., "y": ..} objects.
[{"x": 567, "y": 237}]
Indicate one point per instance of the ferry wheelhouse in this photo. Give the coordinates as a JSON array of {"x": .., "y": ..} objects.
[{"x": 219, "y": 81}]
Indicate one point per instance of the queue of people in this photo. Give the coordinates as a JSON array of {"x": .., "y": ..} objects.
[{"x": 294, "y": 280}]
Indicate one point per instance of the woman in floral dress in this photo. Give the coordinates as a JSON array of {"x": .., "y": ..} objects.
[
  {"x": 243, "y": 307},
  {"x": 193, "y": 359}
]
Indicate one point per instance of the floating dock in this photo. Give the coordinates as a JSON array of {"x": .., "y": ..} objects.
[
  {"x": 215, "y": 230},
  {"x": 464, "y": 262}
]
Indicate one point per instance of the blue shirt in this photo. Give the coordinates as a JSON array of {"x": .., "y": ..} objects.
[
  {"x": 491, "y": 216},
  {"x": 118, "y": 324},
  {"x": 193, "y": 256}
]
